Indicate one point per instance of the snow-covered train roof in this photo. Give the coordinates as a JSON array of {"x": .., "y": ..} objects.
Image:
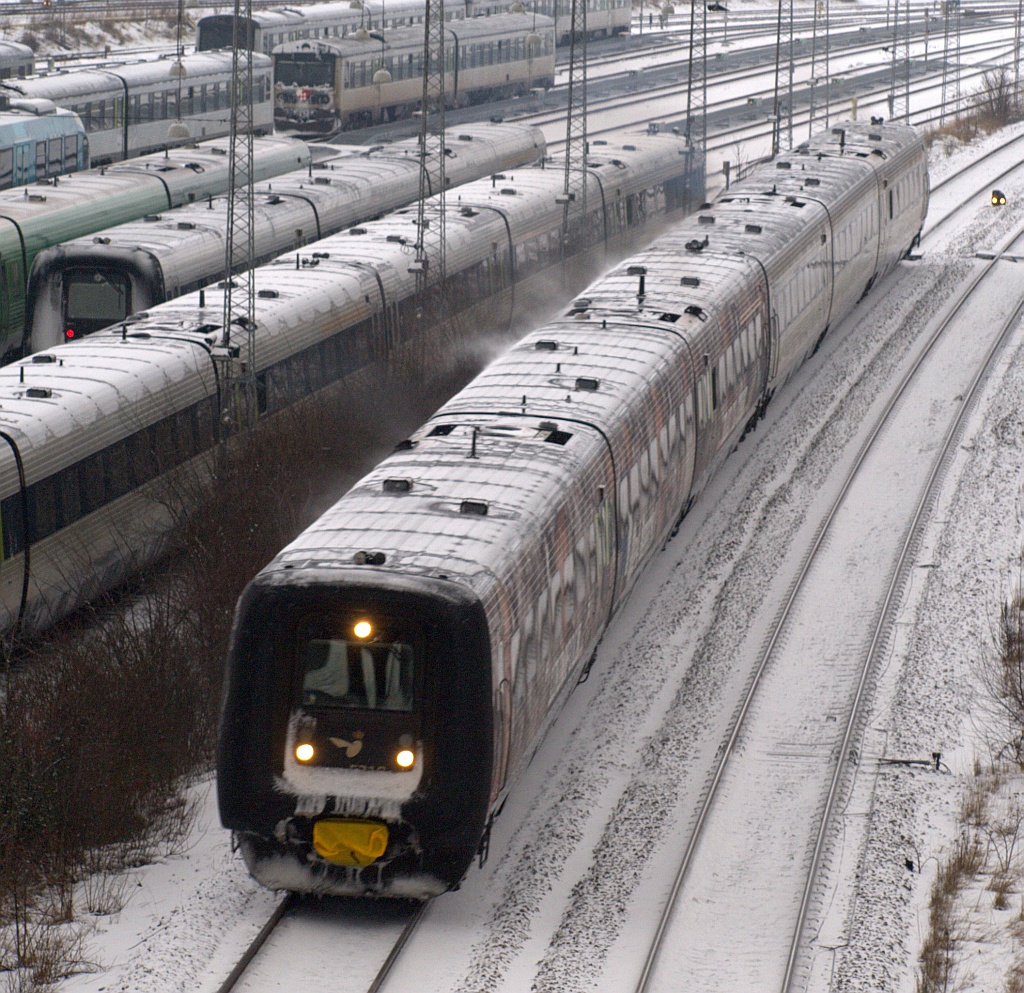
[
  {"x": 302, "y": 296},
  {"x": 199, "y": 172},
  {"x": 336, "y": 284},
  {"x": 487, "y": 445},
  {"x": 76, "y": 84},
  {"x": 89, "y": 395},
  {"x": 470, "y": 29},
  {"x": 345, "y": 189}
]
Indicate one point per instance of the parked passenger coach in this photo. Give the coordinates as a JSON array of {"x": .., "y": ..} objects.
[
  {"x": 354, "y": 81},
  {"x": 86, "y": 284},
  {"x": 67, "y": 207},
  {"x": 393, "y": 669},
  {"x": 127, "y": 108},
  {"x": 330, "y": 21}
]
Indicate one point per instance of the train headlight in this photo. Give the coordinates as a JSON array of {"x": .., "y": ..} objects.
[
  {"x": 305, "y": 752},
  {"x": 405, "y": 758},
  {"x": 998, "y": 198},
  {"x": 363, "y": 629}
]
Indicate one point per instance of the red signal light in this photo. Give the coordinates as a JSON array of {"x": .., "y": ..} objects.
[{"x": 69, "y": 334}]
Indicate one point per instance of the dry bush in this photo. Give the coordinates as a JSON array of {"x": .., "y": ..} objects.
[
  {"x": 1003, "y": 675},
  {"x": 996, "y": 104},
  {"x": 974, "y": 806},
  {"x": 938, "y": 953},
  {"x": 1002, "y": 886}
]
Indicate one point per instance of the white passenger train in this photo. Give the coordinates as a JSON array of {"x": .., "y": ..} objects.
[
  {"x": 88, "y": 283},
  {"x": 16, "y": 59},
  {"x": 441, "y": 612},
  {"x": 330, "y": 21},
  {"x": 95, "y": 432},
  {"x": 128, "y": 109},
  {"x": 360, "y": 79}
]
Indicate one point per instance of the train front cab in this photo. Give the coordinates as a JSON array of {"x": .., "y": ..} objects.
[{"x": 355, "y": 746}]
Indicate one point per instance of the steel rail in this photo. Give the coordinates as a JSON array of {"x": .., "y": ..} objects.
[
  {"x": 281, "y": 911},
  {"x": 897, "y": 582},
  {"x": 711, "y": 790},
  {"x": 257, "y": 943}
]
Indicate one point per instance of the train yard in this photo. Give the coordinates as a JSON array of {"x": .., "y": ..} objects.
[
  {"x": 750, "y": 783},
  {"x": 583, "y": 857}
]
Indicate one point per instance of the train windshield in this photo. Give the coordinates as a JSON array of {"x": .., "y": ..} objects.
[
  {"x": 309, "y": 71},
  {"x": 94, "y": 300},
  {"x": 367, "y": 675}
]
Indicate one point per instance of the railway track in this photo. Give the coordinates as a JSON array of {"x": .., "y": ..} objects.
[
  {"x": 346, "y": 946},
  {"x": 796, "y": 727},
  {"x": 984, "y": 180}
]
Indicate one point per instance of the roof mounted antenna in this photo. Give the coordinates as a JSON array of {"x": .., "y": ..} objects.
[{"x": 641, "y": 271}]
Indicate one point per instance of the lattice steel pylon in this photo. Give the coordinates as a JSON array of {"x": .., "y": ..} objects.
[
  {"x": 951, "y": 11},
  {"x": 1016, "y": 55},
  {"x": 899, "y": 66},
  {"x": 776, "y": 116},
  {"x": 820, "y": 7},
  {"x": 430, "y": 217},
  {"x": 237, "y": 353},
  {"x": 697, "y": 94},
  {"x": 574, "y": 189}
]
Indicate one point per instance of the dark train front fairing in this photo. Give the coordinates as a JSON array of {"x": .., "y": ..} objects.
[{"x": 299, "y": 674}]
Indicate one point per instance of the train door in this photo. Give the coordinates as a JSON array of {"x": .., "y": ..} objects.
[
  {"x": 773, "y": 345},
  {"x": 23, "y": 159}
]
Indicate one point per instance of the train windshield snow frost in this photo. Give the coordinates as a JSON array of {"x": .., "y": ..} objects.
[{"x": 394, "y": 668}]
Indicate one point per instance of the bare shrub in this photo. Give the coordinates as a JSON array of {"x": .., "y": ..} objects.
[
  {"x": 104, "y": 893},
  {"x": 1003, "y": 675},
  {"x": 995, "y": 103},
  {"x": 937, "y": 958},
  {"x": 974, "y": 806}
]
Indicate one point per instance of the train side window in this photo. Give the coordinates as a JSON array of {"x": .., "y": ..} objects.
[
  {"x": 70, "y": 152},
  {"x": 714, "y": 387},
  {"x": 40, "y": 159},
  {"x": 42, "y": 509},
  {"x": 141, "y": 458},
  {"x": 55, "y": 156},
  {"x": 116, "y": 470},
  {"x": 69, "y": 502},
  {"x": 184, "y": 435},
  {"x": 14, "y": 525},
  {"x": 6, "y": 168},
  {"x": 91, "y": 482}
]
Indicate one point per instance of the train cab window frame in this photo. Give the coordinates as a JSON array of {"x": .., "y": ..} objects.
[
  {"x": 82, "y": 299},
  {"x": 338, "y": 671}
]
